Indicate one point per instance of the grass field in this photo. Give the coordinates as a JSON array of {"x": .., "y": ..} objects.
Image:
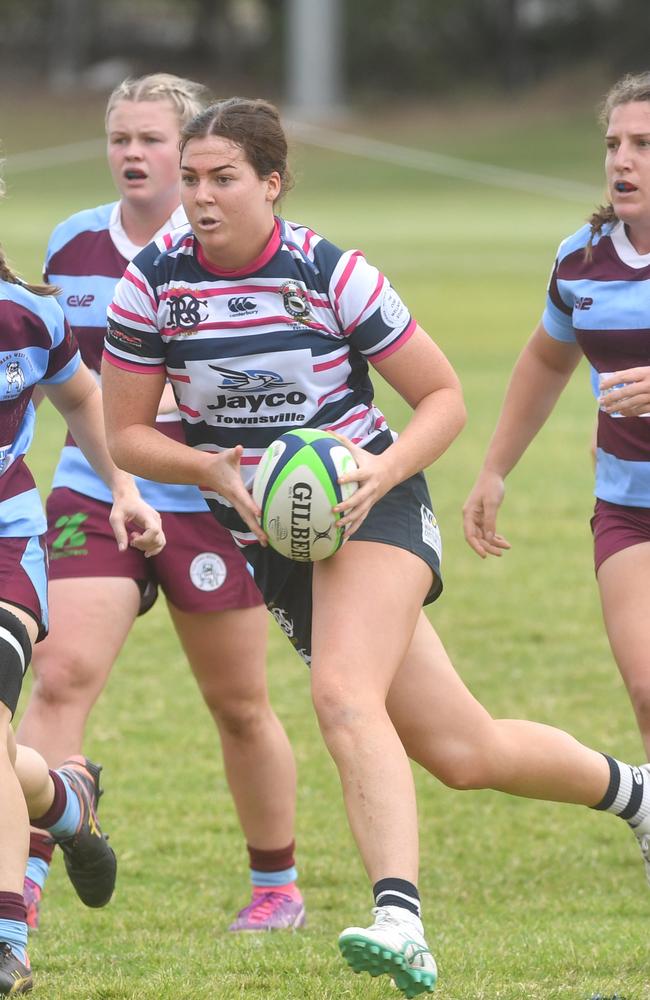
[{"x": 522, "y": 899}]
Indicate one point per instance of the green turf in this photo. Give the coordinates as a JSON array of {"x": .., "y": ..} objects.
[{"x": 523, "y": 901}]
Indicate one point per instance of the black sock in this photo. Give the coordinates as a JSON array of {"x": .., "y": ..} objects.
[
  {"x": 397, "y": 892},
  {"x": 628, "y": 794}
]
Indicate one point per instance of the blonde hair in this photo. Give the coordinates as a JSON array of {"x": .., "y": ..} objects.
[
  {"x": 630, "y": 88},
  {"x": 6, "y": 272},
  {"x": 186, "y": 96}
]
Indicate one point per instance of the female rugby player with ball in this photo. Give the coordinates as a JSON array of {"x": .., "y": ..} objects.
[{"x": 283, "y": 327}]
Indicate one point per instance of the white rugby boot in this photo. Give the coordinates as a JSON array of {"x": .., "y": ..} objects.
[
  {"x": 642, "y": 834},
  {"x": 393, "y": 946}
]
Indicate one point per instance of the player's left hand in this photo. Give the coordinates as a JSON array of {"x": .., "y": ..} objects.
[
  {"x": 374, "y": 479},
  {"x": 631, "y": 398},
  {"x": 137, "y": 524}
]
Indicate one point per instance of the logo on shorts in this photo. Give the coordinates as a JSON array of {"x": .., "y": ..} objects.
[
  {"x": 431, "y": 531},
  {"x": 70, "y": 540},
  {"x": 208, "y": 571},
  {"x": 286, "y": 624},
  {"x": 283, "y": 620}
]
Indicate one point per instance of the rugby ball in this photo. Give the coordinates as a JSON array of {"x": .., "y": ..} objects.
[{"x": 296, "y": 485}]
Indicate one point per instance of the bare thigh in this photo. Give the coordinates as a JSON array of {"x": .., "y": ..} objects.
[
  {"x": 624, "y": 582},
  {"x": 441, "y": 724},
  {"x": 226, "y": 651}
]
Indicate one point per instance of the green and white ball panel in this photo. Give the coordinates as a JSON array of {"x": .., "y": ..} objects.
[{"x": 296, "y": 486}]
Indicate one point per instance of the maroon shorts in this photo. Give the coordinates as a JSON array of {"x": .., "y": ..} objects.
[
  {"x": 617, "y": 527},
  {"x": 199, "y": 570},
  {"x": 23, "y": 577}
]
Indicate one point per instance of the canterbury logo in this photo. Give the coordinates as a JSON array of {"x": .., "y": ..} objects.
[{"x": 242, "y": 304}]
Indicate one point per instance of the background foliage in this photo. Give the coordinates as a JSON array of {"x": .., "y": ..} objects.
[{"x": 419, "y": 48}]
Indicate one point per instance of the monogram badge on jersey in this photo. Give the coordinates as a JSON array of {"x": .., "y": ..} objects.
[
  {"x": 186, "y": 311},
  {"x": 295, "y": 300}
]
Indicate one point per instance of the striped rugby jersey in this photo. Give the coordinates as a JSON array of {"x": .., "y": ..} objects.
[
  {"x": 86, "y": 256},
  {"x": 284, "y": 343},
  {"x": 604, "y": 305},
  {"x": 37, "y": 348}
]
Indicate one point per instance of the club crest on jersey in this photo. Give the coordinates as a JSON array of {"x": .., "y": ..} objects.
[
  {"x": 295, "y": 300},
  {"x": 15, "y": 378},
  {"x": 186, "y": 310}
]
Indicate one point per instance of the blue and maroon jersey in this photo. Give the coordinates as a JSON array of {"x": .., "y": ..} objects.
[
  {"x": 37, "y": 348},
  {"x": 284, "y": 343},
  {"x": 603, "y": 303},
  {"x": 86, "y": 257}
]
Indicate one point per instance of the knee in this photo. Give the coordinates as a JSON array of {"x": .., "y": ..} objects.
[
  {"x": 640, "y": 697},
  {"x": 240, "y": 719},
  {"x": 61, "y": 677},
  {"x": 341, "y": 714},
  {"x": 464, "y": 767}
]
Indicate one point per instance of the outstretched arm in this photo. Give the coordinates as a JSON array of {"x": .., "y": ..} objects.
[{"x": 544, "y": 367}]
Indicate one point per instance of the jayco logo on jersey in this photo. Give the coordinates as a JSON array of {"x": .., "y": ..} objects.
[
  {"x": 242, "y": 305},
  {"x": 186, "y": 311},
  {"x": 250, "y": 389}
]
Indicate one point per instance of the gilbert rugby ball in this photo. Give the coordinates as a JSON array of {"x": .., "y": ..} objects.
[{"x": 296, "y": 485}]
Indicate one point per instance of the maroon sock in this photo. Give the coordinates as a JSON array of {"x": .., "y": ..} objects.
[
  {"x": 55, "y": 812},
  {"x": 12, "y": 907},
  {"x": 272, "y": 861},
  {"x": 41, "y": 846}
]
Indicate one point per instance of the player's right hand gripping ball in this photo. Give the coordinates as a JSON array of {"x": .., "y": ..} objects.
[{"x": 296, "y": 485}]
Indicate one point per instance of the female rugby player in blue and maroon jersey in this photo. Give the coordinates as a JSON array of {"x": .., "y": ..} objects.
[
  {"x": 37, "y": 349},
  {"x": 97, "y": 593},
  {"x": 598, "y": 305},
  {"x": 316, "y": 317}
]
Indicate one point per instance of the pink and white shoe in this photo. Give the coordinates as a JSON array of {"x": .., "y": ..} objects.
[
  {"x": 32, "y": 895},
  {"x": 271, "y": 911}
]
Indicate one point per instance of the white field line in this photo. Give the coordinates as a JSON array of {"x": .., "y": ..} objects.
[
  {"x": 354, "y": 145},
  {"x": 446, "y": 166}
]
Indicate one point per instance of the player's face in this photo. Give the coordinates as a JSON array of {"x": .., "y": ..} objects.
[
  {"x": 143, "y": 152},
  {"x": 627, "y": 164},
  {"x": 229, "y": 207}
]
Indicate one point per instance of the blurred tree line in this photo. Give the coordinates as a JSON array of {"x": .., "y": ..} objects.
[{"x": 390, "y": 47}]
